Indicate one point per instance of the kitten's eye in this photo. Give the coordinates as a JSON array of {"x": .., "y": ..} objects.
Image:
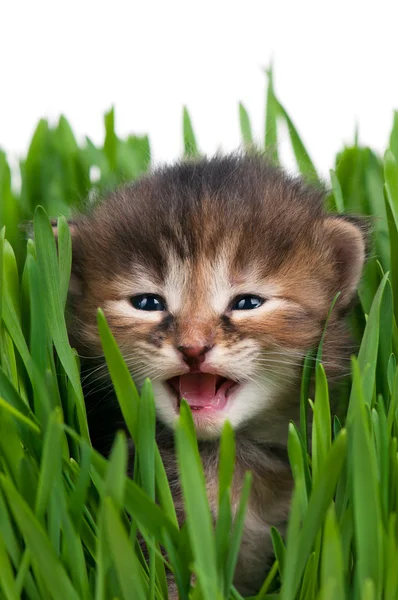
[
  {"x": 247, "y": 302},
  {"x": 148, "y": 302}
]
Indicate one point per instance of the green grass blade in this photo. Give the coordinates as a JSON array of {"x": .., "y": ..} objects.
[
  {"x": 51, "y": 570},
  {"x": 224, "y": 521},
  {"x": 394, "y": 136},
  {"x": 237, "y": 531},
  {"x": 146, "y": 455},
  {"x": 337, "y": 191},
  {"x": 78, "y": 496},
  {"x": 73, "y": 556},
  {"x": 309, "y": 584},
  {"x": 146, "y": 439},
  {"x": 38, "y": 327},
  {"x": 279, "y": 549},
  {"x": 64, "y": 258},
  {"x": 226, "y": 461},
  {"x": 332, "y": 557},
  {"x": 190, "y": 144},
  {"x": 115, "y": 482},
  {"x": 223, "y": 536},
  {"x": 306, "y": 379},
  {"x": 148, "y": 514},
  {"x": 10, "y": 395},
  {"x": 367, "y": 510},
  {"x": 129, "y": 571},
  {"x": 271, "y": 115},
  {"x": 50, "y": 464},
  {"x": 197, "y": 510},
  {"x": 322, "y": 427},
  {"x": 304, "y": 163},
  {"x": 7, "y": 581},
  {"x": 322, "y": 340},
  {"x": 111, "y": 141},
  {"x": 391, "y": 198},
  {"x": 299, "y": 464},
  {"x": 19, "y": 416},
  {"x": 367, "y": 356},
  {"x": 245, "y": 126},
  {"x": 48, "y": 264},
  {"x": 11, "y": 277},
  {"x": 318, "y": 505},
  {"x": 2, "y": 240},
  {"x": 125, "y": 389},
  {"x": 129, "y": 400}
]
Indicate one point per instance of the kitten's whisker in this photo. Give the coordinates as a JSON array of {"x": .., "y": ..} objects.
[
  {"x": 253, "y": 380},
  {"x": 311, "y": 358},
  {"x": 268, "y": 376},
  {"x": 142, "y": 369},
  {"x": 301, "y": 354},
  {"x": 88, "y": 384},
  {"x": 264, "y": 364},
  {"x": 107, "y": 395},
  {"x": 100, "y": 368},
  {"x": 326, "y": 361},
  {"x": 104, "y": 375},
  {"x": 144, "y": 375},
  {"x": 278, "y": 361},
  {"x": 108, "y": 385}
]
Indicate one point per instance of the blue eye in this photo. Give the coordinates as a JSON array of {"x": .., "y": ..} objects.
[
  {"x": 148, "y": 302},
  {"x": 246, "y": 302}
]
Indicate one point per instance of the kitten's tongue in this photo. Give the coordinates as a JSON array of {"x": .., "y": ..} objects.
[{"x": 199, "y": 390}]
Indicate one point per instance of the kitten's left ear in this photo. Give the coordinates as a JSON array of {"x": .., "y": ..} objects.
[{"x": 348, "y": 237}]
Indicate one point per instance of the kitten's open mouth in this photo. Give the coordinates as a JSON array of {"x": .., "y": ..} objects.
[{"x": 202, "y": 390}]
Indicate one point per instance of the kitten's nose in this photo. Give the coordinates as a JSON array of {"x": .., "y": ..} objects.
[{"x": 194, "y": 354}]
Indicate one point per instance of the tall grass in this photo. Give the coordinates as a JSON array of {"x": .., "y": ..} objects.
[{"x": 70, "y": 519}]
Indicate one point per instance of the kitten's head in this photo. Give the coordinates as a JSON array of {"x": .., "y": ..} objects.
[{"x": 216, "y": 276}]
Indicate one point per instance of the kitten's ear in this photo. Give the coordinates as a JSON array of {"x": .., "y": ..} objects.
[{"x": 348, "y": 237}]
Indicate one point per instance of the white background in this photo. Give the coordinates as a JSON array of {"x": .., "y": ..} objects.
[{"x": 335, "y": 65}]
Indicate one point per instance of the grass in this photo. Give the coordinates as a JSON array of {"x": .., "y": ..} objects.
[{"x": 70, "y": 519}]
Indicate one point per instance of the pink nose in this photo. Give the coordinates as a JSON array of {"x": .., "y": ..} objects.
[{"x": 193, "y": 354}]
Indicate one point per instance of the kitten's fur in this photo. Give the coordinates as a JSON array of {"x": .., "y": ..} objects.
[{"x": 199, "y": 234}]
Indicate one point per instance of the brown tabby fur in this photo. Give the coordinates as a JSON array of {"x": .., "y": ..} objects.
[{"x": 202, "y": 232}]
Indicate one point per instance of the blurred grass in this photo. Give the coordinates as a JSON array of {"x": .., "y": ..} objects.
[{"x": 69, "y": 518}]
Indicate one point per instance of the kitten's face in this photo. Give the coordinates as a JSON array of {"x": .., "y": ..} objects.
[
  {"x": 215, "y": 289},
  {"x": 215, "y": 337}
]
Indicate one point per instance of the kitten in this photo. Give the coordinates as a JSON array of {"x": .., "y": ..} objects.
[{"x": 216, "y": 276}]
